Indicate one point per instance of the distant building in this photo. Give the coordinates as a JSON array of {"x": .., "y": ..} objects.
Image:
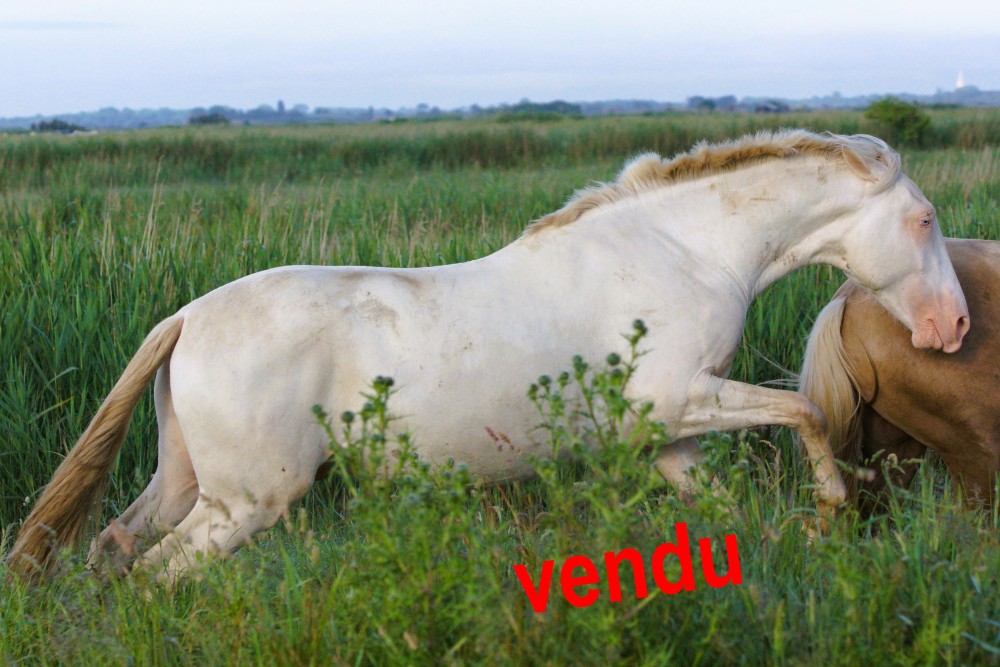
[{"x": 960, "y": 82}]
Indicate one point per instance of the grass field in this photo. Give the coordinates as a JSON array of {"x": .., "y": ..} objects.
[{"x": 101, "y": 236}]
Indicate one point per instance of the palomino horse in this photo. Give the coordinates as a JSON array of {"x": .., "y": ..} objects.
[
  {"x": 882, "y": 396},
  {"x": 685, "y": 244}
]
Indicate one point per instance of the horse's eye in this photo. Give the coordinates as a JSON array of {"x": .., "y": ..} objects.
[{"x": 925, "y": 222}]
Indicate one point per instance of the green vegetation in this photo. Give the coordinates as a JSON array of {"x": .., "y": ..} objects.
[
  {"x": 103, "y": 235},
  {"x": 286, "y": 155},
  {"x": 904, "y": 123}
]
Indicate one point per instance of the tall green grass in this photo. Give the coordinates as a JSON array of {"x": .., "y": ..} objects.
[
  {"x": 294, "y": 154},
  {"x": 101, "y": 236}
]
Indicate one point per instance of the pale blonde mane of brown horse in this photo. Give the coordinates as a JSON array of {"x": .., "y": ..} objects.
[{"x": 649, "y": 171}]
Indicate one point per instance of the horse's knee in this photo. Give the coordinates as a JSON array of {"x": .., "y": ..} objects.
[{"x": 812, "y": 421}]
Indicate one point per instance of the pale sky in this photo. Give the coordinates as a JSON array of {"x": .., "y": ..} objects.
[{"x": 61, "y": 56}]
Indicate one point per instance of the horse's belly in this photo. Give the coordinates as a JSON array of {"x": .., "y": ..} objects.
[{"x": 494, "y": 435}]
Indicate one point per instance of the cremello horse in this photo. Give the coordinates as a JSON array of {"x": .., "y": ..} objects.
[
  {"x": 685, "y": 244},
  {"x": 882, "y": 397}
]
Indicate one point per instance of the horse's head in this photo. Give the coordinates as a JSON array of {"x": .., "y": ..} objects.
[{"x": 895, "y": 248}]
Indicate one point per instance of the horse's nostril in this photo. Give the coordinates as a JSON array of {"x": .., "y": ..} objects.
[{"x": 963, "y": 326}]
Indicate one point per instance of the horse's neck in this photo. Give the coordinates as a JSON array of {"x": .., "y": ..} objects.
[{"x": 750, "y": 227}]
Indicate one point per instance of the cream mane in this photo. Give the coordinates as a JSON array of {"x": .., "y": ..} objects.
[{"x": 649, "y": 171}]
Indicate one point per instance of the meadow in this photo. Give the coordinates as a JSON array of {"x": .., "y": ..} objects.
[{"x": 103, "y": 235}]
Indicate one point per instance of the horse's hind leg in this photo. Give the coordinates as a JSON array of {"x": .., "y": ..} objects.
[
  {"x": 217, "y": 526},
  {"x": 892, "y": 453},
  {"x": 167, "y": 499},
  {"x": 236, "y": 499}
]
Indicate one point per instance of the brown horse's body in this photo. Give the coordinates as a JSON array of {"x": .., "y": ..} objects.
[{"x": 910, "y": 399}]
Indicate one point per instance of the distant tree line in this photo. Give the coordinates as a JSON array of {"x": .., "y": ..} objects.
[
  {"x": 57, "y": 125},
  {"x": 264, "y": 114},
  {"x": 280, "y": 114},
  {"x": 730, "y": 103},
  {"x": 525, "y": 110},
  {"x": 211, "y": 118}
]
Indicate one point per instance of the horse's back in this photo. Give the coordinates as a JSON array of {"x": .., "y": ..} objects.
[{"x": 947, "y": 402}]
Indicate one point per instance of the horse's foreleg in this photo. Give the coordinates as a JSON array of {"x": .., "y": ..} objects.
[
  {"x": 676, "y": 460},
  {"x": 726, "y": 405}
]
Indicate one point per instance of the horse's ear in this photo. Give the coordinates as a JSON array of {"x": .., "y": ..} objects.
[{"x": 862, "y": 168}]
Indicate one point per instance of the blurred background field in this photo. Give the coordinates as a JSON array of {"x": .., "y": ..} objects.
[{"x": 103, "y": 235}]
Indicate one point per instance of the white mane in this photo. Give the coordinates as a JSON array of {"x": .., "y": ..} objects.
[{"x": 649, "y": 170}]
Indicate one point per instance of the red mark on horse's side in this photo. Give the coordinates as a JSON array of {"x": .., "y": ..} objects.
[{"x": 498, "y": 437}]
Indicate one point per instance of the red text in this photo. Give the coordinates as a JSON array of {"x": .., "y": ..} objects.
[{"x": 579, "y": 577}]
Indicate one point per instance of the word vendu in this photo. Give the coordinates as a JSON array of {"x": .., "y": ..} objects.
[{"x": 538, "y": 594}]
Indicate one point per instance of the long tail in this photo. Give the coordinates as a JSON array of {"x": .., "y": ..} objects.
[
  {"x": 827, "y": 379},
  {"x": 60, "y": 514}
]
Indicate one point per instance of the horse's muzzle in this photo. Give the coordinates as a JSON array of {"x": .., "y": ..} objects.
[{"x": 945, "y": 334}]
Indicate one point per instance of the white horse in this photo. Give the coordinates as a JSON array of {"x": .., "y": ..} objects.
[{"x": 684, "y": 244}]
